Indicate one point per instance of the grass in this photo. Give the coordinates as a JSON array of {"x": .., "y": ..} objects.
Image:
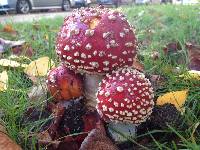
[{"x": 155, "y": 27}]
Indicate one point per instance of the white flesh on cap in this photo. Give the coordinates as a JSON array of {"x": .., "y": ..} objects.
[{"x": 91, "y": 84}]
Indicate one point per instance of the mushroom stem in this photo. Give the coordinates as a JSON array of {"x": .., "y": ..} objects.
[
  {"x": 91, "y": 84},
  {"x": 121, "y": 131}
]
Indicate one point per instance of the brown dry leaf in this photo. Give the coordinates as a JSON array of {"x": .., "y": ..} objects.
[
  {"x": 44, "y": 137},
  {"x": 8, "y": 28},
  {"x": 194, "y": 56},
  {"x": 5, "y": 142},
  {"x": 97, "y": 140},
  {"x": 177, "y": 98},
  {"x": 11, "y": 63},
  {"x": 9, "y": 44},
  {"x": 39, "y": 67},
  {"x": 172, "y": 47},
  {"x": 25, "y": 50},
  {"x": 3, "y": 81},
  {"x": 137, "y": 65},
  {"x": 2, "y": 128}
]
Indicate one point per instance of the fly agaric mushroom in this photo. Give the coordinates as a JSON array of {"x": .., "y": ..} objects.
[
  {"x": 64, "y": 84},
  {"x": 95, "y": 41},
  {"x": 125, "y": 96}
]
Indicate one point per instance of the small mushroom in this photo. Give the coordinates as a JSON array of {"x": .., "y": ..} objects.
[
  {"x": 125, "y": 96},
  {"x": 64, "y": 84},
  {"x": 96, "y": 41}
]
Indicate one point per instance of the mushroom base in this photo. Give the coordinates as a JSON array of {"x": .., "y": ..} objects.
[
  {"x": 91, "y": 84},
  {"x": 120, "y": 131}
]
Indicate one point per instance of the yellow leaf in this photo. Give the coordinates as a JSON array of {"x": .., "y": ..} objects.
[
  {"x": 39, "y": 67},
  {"x": 191, "y": 74},
  {"x": 177, "y": 98},
  {"x": 3, "y": 81},
  {"x": 11, "y": 63}
]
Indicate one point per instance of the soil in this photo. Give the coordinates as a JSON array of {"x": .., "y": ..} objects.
[{"x": 72, "y": 120}]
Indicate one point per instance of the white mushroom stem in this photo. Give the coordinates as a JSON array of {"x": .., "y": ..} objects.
[
  {"x": 91, "y": 84},
  {"x": 121, "y": 131}
]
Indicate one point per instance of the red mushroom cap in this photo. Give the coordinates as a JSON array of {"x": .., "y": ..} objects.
[
  {"x": 126, "y": 96},
  {"x": 64, "y": 84},
  {"x": 96, "y": 40}
]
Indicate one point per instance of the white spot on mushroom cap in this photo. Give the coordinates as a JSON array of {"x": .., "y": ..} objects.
[
  {"x": 67, "y": 48},
  {"x": 129, "y": 44},
  {"x": 89, "y": 32},
  {"x": 107, "y": 94},
  {"x": 120, "y": 89},
  {"x": 111, "y": 109},
  {"x": 76, "y": 31},
  {"x": 88, "y": 46},
  {"x": 69, "y": 57},
  {"x": 106, "y": 63},
  {"x": 76, "y": 54},
  {"x": 94, "y": 64},
  {"x": 112, "y": 17},
  {"x": 106, "y": 34},
  {"x": 122, "y": 34},
  {"x": 83, "y": 55}
]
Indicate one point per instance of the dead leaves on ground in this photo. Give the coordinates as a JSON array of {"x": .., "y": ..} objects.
[
  {"x": 8, "y": 28},
  {"x": 39, "y": 67},
  {"x": 55, "y": 138},
  {"x": 36, "y": 68},
  {"x": 9, "y": 44},
  {"x": 98, "y": 140},
  {"x": 5, "y": 141},
  {"x": 194, "y": 56},
  {"x": 177, "y": 98},
  {"x": 3, "y": 81},
  {"x": 11, "y": 63}
]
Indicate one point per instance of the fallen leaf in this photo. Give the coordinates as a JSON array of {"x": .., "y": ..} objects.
[
  {"x": 172, "y": 47},
  {"x": 97, "y": 140},
  {"x": 3, "y": 81},
  {"x": 191, "y": 74},
  {"x": 24, "y": 49},
  {"x": 19, "y": 58},
  {"x": 90, "y": 120},
  {"x": 194, "y": 56},
  {"x": 9, "y": 44},
  {"x": 177, "y": 98},
  {"x": 174, "y": 53},
  {"x": 2, "y": 127},
  {"x": 5, "y": 142},
  {"x": 9, "y": 29},
  {"x": 137, "y": 65},
  {"x": 11, "y": 63},
  {"x": 39, "y": 67},
  {"x": 38, "y": 92}
]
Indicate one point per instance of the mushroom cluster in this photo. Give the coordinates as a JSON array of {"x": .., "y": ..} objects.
[
  {"x": 100, "y": 44},
  {"x": 95, "y": 41}
]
